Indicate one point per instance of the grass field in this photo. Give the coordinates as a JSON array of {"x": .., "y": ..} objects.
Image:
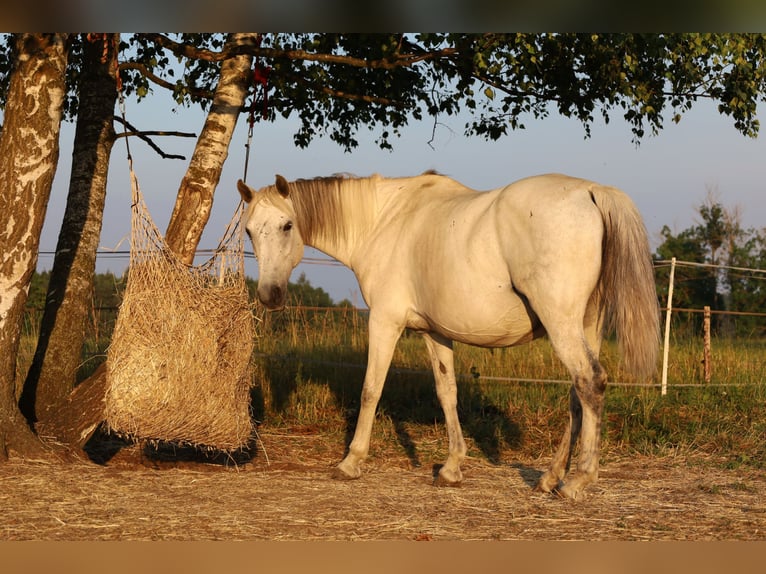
[
  {"x": 309, "y": 367},
  {"x": 685, "y": 466}
]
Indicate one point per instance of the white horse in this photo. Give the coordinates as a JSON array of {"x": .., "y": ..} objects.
[{"x": 549, "y": 255}]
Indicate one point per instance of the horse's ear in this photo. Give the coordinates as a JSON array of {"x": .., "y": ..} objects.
[
  {"x": 282, "y": 187},
  {"x": 245, "y": 191}
]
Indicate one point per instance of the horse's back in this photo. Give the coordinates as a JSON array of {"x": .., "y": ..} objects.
[
  {"x": 469, "y": 263},
  {"x": 550, "y": 190}
]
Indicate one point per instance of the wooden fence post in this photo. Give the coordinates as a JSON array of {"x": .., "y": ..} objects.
[
  {"x": 665, "y": 348},
  {"x": 706, "y": 357}
]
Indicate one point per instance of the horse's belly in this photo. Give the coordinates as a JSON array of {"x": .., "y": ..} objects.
[
  {"x": 492, "y": 322},
  {"x": 496, "y": 335}
]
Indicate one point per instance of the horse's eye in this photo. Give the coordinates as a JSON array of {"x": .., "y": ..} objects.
[{"x": 287, "y": 226}]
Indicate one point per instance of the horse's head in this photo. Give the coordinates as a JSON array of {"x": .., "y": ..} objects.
[{"x": 270, "y": 222}]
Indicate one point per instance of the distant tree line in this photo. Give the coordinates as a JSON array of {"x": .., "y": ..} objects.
[
  {"x": 716, "y": 239},
  {"x": 108, "y": 289}
]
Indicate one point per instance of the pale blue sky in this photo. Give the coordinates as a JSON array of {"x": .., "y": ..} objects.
[{"x": 667, "y": 176}]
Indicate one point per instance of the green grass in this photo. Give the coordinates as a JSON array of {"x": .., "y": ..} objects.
[{"x": 309, "y": 368}]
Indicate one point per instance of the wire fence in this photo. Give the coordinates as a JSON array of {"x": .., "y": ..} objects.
[
  {"x": 206, "y": 253},
  {"x": 707, "y": 311},
  {"x": 107, "y": 315}
]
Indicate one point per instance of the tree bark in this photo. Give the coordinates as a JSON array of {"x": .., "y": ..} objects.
[
  {"x": 29, "y": 149},
  {"x": 53, "y": 373},
  {"x": 82, "y": 412},
  {"x": 195, "y": 195},
  {"x": 78, "y": 417}
]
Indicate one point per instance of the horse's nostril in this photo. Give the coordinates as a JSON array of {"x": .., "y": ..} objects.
[{"x": 272, "y": 296}]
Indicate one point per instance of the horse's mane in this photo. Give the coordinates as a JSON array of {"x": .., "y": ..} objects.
[
  {"x": 325, "y": 206},
  {"x": 336, "y": 207}
]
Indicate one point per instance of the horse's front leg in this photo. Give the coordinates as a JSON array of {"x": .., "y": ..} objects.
[
  {"x": 383, "y": 337},
  {"x": 440, "y": 351}
]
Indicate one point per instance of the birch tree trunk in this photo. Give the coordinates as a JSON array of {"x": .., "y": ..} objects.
[
  {"x": 58, "y": 356},
  {"x": 195, "y": 195},
  {"x": 29, "y": 150},
  {"x": 83, "y": 411}
]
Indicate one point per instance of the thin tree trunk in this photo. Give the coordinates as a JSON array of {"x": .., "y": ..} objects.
[
  {"x": 195, "y": 195},
  {"x": 191, "y": 213},
  {"x": 53, "y": 373},
  {"x": 29, "y": 149}
]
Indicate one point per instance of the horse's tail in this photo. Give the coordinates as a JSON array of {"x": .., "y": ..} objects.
[{"x": 626, "y": 290}]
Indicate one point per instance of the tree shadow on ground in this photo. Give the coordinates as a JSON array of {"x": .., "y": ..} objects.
[
  {"x": 104, "y": 445},
  {"x": 530, "y": 476},
  {"x": 408, "y": 398}
]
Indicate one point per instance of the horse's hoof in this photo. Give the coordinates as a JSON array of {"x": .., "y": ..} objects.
[
  {"x": 574, "y": 487},
  {"x": 548, "y": 483},
  {"x": 569, "y": 493},
  {"x": 339, "y": 474},
  {"x": 441, "y": 481},
  {"x": 447, "y": 477}
]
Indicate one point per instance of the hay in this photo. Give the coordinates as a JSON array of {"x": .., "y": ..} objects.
[
  {"x": 638, "y": 498},
  {"x": 178, "y": 366}
]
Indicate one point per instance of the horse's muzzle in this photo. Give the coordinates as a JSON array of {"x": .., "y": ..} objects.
[{"x": 272, "y": 296}]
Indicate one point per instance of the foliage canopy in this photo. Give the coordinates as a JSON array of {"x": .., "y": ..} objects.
[{"x": 339, "y": 84}]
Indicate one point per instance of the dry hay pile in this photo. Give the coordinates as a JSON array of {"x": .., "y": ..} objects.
[
  {"x": 178, "y": 367},
  {"x": 682, "y": 496}
]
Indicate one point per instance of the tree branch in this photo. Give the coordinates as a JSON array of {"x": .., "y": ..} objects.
[
  {"x": 189, "y": 51},
  {"x": 345, "y": 95},
  {"x": 399, "y": 61},
  {"x": 197, "y": 93},
  {"x": 144, "y": 136}
]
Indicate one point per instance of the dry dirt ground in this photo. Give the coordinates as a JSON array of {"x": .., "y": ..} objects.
[{"x": 291, "y": 496}]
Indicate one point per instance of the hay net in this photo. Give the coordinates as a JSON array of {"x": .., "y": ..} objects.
[{"x": 178, "y": 366}]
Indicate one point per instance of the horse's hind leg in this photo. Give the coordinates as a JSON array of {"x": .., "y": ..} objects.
[
  {"x": 551, "y": 479},
  {"x": 440, "y": 351},
  {"x": 590, "y": 391},
  {"x": 587, "y": 394}
]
